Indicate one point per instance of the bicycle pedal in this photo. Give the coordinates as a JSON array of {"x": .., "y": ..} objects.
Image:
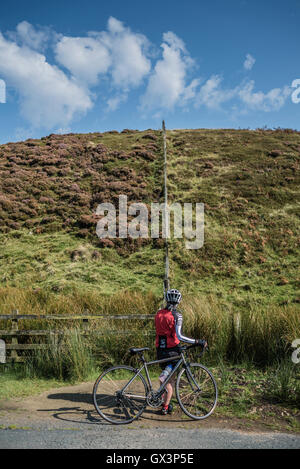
[{"x": 168, "y": 410}]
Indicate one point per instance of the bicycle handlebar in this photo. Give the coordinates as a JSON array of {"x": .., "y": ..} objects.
[{"x": 187, "y": 347}]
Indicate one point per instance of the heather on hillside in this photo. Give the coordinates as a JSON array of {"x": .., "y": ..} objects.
[
  {"x": 56, "y": 183},
  {"x": 248, "y": 181}
]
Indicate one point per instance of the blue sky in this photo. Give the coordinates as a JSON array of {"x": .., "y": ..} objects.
[{"x": 86, "y": 66}]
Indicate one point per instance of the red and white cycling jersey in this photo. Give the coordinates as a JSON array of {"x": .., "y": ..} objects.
[{"x": 168, "y": 325}]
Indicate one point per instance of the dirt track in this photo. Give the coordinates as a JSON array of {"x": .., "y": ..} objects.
[
  {"x": 73, "y": 404},
  {"x": 70, "y": 408}
]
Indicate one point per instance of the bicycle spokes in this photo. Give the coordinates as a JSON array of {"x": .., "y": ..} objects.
[
  {"x": 196, "y": 391},
  {"x": 115, "y": 399}
]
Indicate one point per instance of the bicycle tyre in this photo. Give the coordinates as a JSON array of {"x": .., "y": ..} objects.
[
  {"x": 197, "y": 404},
  {"x": 111, "y": 404}
]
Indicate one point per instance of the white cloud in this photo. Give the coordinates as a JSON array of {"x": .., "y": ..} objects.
[
  {"x": 114, "y": 102},
  {"x": 212, "y": 95},
  {"x": 52, "y": 95},
  {"x": 47, "y": 96},
  {"x": 85, "y": 57},
  {"x": 273, "y": 100},
  {"x": 167, "y": 84},
  {"x": 34, "y": 38},
  {"x": 190, "y": 91},
  {"x": 63, "y": 130},
  {"x": 117, "y": 52},
  {"x": 2, "y": 92},
  {"x": 128, "y": 51},
  {"x": 249, "y": 62},
  {"x": 174, "y": 41}
]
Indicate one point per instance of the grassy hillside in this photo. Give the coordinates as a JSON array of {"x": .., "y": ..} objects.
[
  {"x": 240, "y": 290},
  {"x": 248, "y": 181}
]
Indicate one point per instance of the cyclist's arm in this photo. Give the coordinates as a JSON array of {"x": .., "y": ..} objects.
[{"x": 178, "y": 329}]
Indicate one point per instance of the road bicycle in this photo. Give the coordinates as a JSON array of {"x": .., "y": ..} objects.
[{"x": 122, "y": 393}]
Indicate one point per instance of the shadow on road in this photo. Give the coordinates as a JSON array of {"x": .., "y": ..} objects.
[
  {"x": 72, "y": 397},
  {"x": 82, "y": 415}
]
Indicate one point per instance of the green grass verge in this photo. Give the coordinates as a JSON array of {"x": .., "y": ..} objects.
[{"x": 14, "y": 385}]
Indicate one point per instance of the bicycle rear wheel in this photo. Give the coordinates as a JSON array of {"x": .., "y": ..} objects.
[
  {"x": 116, "y": 401},
  {"x": 196, "y": 391}
]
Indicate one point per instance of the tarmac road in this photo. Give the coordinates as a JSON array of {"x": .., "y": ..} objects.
[{"x": 113, "y": 437}]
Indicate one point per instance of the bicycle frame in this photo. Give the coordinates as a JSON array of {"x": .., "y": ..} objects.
[
  {"x": 117, "y": 403},
  {"x": 181, "y": 360}
]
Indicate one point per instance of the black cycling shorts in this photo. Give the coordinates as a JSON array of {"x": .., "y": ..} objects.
[{"x": 166, "y": 353}]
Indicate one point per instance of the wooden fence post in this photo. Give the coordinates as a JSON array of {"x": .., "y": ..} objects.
[
  {"x": 85, "y": 323},
  {"x": 166, "y": 283},
  {"x": 14, "y": 339}
]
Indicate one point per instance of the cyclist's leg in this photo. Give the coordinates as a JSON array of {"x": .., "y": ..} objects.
[
  {"x": 169, "y": 391},
  {"x": 168, "y": 395},
  {"x": 171, "y": 385},
  {"x": 160, "y": 354}
]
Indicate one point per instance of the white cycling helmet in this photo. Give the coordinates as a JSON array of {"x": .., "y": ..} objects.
[{"x": 173, "y": 296}]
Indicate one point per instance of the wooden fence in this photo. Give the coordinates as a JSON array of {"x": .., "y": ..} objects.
[{"x": 14, "y": 333}]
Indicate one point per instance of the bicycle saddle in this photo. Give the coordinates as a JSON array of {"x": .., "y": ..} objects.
[{"x": 138, "y": 350}]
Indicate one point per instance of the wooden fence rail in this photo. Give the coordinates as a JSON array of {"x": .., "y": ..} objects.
[
  {"x": 14, "y": 333},
  {"x": 18, "y": 317}
]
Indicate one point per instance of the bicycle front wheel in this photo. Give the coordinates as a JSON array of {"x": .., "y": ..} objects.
[
  {"x": 119, "y": 394},
  {"x": 196, "y": 391}
]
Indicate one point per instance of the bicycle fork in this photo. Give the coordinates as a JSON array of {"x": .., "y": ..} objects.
[{"x": 193, "y": 383}]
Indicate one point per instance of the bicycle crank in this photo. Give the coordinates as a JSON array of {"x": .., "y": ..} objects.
[{"x": 153, "y": 400}]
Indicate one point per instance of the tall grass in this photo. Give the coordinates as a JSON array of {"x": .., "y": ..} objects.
[
  {"x": 205, "y": 317},
  {"x": 259, "y": 336},
  {"x": 78, "y": 354},
  {"x": 265, "y": 336},
  {"x": 284, "y": 383},
  {"x": 42, "y": 301},
  {"x": 68, "y": 357},
  {"x": 256, "y": 335}
]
